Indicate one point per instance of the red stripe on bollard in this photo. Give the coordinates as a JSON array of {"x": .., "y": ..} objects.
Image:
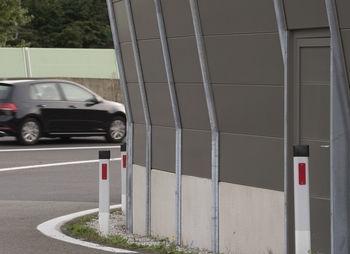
[
  {"x": 124, "y": 161},
  {"x": 104, "y": 171},
  {"x": 302, "y": 174}
]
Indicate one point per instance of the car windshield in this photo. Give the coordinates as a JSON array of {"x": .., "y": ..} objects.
[{"x": 4, "y": 91}]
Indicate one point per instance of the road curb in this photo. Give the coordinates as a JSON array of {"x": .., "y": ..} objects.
[{"x": 52, "y": 229}]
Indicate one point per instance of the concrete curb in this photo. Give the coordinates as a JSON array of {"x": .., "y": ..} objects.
[{"x": 52, "y": 228}]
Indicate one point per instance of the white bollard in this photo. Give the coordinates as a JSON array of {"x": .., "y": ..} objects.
[
  {"x": 104, "y": 191},
  {"x": 302, "y": 200},
  {"x": 123, "y": 176}
]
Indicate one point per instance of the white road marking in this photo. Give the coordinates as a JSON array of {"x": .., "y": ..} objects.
[
  {"x": 58, "y": 148},
  {"x": 53, "y": 164},
  {"x": 51, "y": 228}
]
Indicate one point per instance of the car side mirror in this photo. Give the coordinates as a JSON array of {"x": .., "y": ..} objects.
[{"x": 93, "y": 101}]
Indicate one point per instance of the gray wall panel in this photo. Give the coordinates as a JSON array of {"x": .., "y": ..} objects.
[
  {"x": 139, "y": 144},
  {"x": 193, "y": 106},
  {"x": 163, "y": 148},
  {"x": 122, "y": 21},
  {"x": 343, "y": 7},
  {"x": 184, "y": 59},
  {"x": 174, "y": 25},
  {"x": 245, "y": 59},
  {"x": 129, "y": 62},
  {"x": 145, "y": 19},
  {"x": 251, "y": 160},
  {"x": 152, "y": 61},
  {"x": 159, "y": 104},
  {"x": 346, "y": 42},
  {"x": 320, "y": 225},
  {"x": 248, "y": 109},
  {"x": 196, "y": 153},
  {"x": 239, "y": 16},
  {"x": 136, "y": 103},
  {"x": 305, "y": 14}
]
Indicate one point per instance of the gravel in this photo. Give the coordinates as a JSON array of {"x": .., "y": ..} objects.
[{"x": 117, "y": 227}]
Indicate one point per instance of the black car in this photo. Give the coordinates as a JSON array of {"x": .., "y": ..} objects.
[{"x": 30, "y": 109}]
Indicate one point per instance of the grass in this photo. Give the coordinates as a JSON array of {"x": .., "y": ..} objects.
[{"x": 79, "y": 229}]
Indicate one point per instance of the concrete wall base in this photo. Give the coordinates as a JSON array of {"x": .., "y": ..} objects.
[{"x": 251, "y": 219}]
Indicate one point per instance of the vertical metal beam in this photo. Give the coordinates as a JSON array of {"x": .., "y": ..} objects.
[
  {"x": 284, "y": 38},
  {"x": 27, "y": 62},
  {"x": 339, "y": 139},
  {"x": 145, "y": 111},
  {"x": 213, "y": 123},
  {"x": 176, "y": 114},
  {"x": 130, "y": 129}
]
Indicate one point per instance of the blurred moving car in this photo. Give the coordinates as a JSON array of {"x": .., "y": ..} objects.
[{"x": 30, "y": 109}]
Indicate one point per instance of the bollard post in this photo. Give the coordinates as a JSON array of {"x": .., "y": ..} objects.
[
  {"x": 104, "y": 191},
  {"x": 302, "y": 199},
  {"x": 123, "y": 176}
]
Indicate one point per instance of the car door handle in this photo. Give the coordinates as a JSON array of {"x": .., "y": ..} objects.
[
  {"x": 72, "y": 106},
  {"x": 324, "y": 146},
  {"x": 41, "y": 106}
]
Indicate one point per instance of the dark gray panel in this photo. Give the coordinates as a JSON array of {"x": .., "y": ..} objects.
[
  {"x": 159, "y": 104},
  {"x": 129, "y": 62},
  {"x": 248, "y": 109},
  {"x": 343, "y": 7},
  {"x": 315, "y": 113},
  {"x": 193, "y": 106},
  {"x": 185, "y": 61},
  {"x": 163, "y": 148},
  {"x": 346, "y": 44},
  {"x": 196, "y": 153},
  {"x": 136, "y": 103},
  {"x": 315, "y": 65},
  {"x": 245, "y": 59},
  {"x": 152, "y": 61},
  {"x": 305, "y": 14},
  {"x": 320, "y": 226},
  {"x": 253, "y": 161},
  {"x": 174, "y": 24},
  {"x": 122, "y": 21},
  {"x": 319, "y": 169},
  {"x": 140, "y": 144},
  {"x": 145, "y": 19},
  {"x": 239, "y": 16}
]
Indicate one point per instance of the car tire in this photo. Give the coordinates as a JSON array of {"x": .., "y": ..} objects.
[
  {"x": 116, "y": 131},
  {"x": 29, "y": 132}
]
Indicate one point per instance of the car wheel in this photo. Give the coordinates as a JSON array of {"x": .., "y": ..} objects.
[
  {"x": 29, "y": 132},
  {"x": 116, "y": 130}
]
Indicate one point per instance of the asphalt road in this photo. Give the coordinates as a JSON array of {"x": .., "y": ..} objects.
[{"x": 32, "y": 195}]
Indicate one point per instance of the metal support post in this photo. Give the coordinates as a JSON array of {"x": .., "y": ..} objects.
[
  {"x": 213, "y": 123},
  {"x": 130, "y": 126},
  {"x": 145, "y": 111},
  {"x": 339, "y": 139},
  {"x": 284, "y": 38},
  {"x": 176, "y": 114}
]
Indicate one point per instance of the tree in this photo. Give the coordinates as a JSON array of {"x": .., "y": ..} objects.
[
  {"x": 68, "y": 23},
  {"x": 12, "y": 16}
]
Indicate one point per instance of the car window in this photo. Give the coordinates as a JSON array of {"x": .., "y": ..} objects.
[
  {"x": 44, "y": 92},
  {"x": 76, "y": 93},
  {"x": 4, "y": 91}
]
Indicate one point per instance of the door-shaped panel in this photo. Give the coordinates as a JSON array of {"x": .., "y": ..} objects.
[{"x": 312, "y": 127}]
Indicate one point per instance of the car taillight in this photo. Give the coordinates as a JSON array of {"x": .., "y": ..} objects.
[{"x": 8, "y": 106}]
